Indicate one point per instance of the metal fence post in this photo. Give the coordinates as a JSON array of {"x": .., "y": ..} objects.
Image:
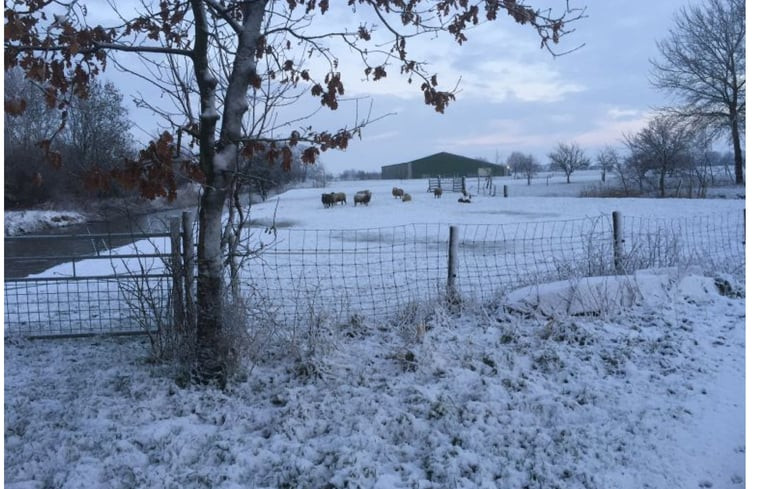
[
  {"x": 177, "y": 294},
  {"x": 189, "y": 266},
  {"x": 617, "y": 240},
  {"x": 452, "y": 262}
]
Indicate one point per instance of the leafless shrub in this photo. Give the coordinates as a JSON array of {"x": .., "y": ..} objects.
[
  {"x": 609, "y": 191},
  {"x": 152, "y": 304}
]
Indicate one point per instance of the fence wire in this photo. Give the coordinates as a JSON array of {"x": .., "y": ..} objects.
[
  {"x": 366, "y": 271},
  {"x": 715, "y": 242},
  {"x": 302, "y": 276},
  {"x": 74, "y": 306}
]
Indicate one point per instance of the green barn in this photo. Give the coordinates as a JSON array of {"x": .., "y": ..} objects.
[{"x": 440, "y": 165}]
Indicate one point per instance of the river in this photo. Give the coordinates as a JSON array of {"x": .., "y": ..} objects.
[{"x": 28, "y": 255}]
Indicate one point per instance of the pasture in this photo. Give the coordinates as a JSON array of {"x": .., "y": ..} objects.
[
  {"x": 374, "y": 260},
  {"x": 505, "y": 392},
  {"x": 302, "y": 208}
]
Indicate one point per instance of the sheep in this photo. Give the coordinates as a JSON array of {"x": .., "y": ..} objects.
[
  {"x": 340, "y": 197},
  {"x": 362, "y": 197},
  {"x": 438, "y": 193},
  {"x": 327, "y": 199},
  {"x": 397, "y": 192},
  {"x": 406, "y": 198}
]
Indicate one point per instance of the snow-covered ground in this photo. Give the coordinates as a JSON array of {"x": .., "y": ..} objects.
[
  {"x": 649, "y": 395},
  {"x": 625, "y": 382},
  {"x": 24, "y": 222},
  {"x": 549, "y": 197},
  {"x": 302, "y": 208},
  {"x": 372, "y": 260}
]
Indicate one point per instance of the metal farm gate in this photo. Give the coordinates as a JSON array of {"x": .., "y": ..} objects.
[{"x": 95, "y": 291}]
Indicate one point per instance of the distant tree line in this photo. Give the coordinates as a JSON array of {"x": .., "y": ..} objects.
[
  {"x": 668, "y": 157},
  {"x": 95, "y": 140},
  {"x": 359, "y": 175},
  {"x": 702, "y": 65},
  {"x": 96, "y": 135}
]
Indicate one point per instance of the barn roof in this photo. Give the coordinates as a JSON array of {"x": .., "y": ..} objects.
[{"x": 444, "y": 162}]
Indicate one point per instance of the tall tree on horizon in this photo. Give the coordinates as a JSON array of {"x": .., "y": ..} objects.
[
  {"x": 703, "y": 65},
  {"x": 663, "y": 146},
  {"x": 229, "y": 66},
  {"x": 568, "y": 158}
]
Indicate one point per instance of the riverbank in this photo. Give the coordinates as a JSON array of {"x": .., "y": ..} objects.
[{"x": 32, "y": 221}]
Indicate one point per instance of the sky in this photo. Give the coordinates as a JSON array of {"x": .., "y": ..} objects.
[
  {"x": 515, "y": 96},
  {"x": 512, "y": 95}
]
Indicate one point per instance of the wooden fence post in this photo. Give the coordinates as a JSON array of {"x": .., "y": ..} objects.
[
  {"x": 188, "y": 247},
  {"x": 178, "y": 286},
  {"x": 452, "y": 262},
  {"x": 617, "y": 240}
]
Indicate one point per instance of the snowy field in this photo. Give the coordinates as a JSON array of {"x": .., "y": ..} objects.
[
  {"x": 628, "y": 382},
  {"x": 645, "y": 396},
  {"x": 373, "y": 260},
  {"x": 302, "y": 208}
]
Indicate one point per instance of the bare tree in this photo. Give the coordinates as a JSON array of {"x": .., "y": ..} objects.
[
  {"x": 98, "y": 128},
  {"x": 524, "y": 164},
  {"x": 607, "y": 159},
  {"x": 701, "y": 159},
  {"x": 703, "y": 65},
  {"x": 28, "y": 177},
  {"x": 96, "y": 134},
  {"x": 663, "y": 147},
  {"x": 635, "y": 167},
  {"x": 229, "y": 67},
  {"x": 569, "y": 158},
  {"x": 515, "y": 162},
  {"x": 624, "y": 169}
]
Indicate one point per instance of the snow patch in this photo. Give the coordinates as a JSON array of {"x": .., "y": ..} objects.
[
  {"x": 24, "y": 222},
  {"x": 595, "y": 296},
  {"x": 210, "y": 113},
  {"x": 225, "y": 159}
]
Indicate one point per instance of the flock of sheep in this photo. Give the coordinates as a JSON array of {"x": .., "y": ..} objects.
[
  {"x": 333, "y": 198},
  {"x": 364, "y": 196}
]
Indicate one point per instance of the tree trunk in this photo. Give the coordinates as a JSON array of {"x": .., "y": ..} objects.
[
  {"x": 662, "y": 184},
  {"x": 218, "y": 160},
  {"x": 211, "y": 351},
  {"x": 738, "y": 158}
]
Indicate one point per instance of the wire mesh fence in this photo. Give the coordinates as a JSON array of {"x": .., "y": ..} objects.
[
  {"x": 376, "y": 273},
  {"x": 302, "y": 275},
  {"x": 67, "y": 306}
]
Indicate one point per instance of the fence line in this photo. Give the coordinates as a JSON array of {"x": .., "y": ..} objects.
[
  {"x": 86, "y": 293},
  {"x": 307, "y": 275}
]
